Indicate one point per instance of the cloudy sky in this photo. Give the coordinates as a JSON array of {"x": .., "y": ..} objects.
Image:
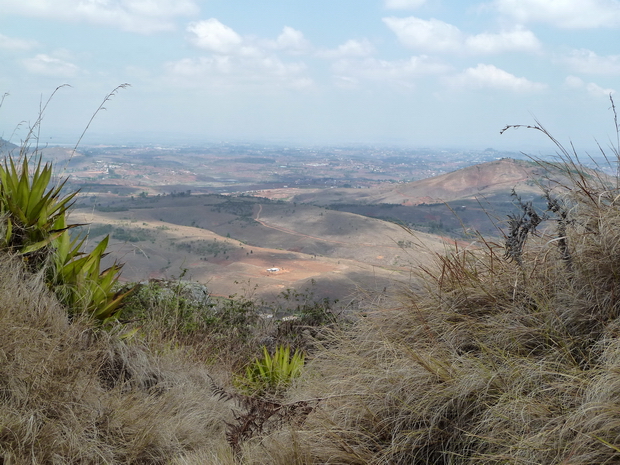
[{"x": 441, "y": 73}]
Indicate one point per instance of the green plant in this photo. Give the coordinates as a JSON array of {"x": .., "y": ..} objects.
[
  {"x": 78, "y": 282},
  {"x": 272, "y": 374},
  {"x": 31, "y": 208},
  {"x": 36, "y": 228},
  {"x": 34, "y": 219}
]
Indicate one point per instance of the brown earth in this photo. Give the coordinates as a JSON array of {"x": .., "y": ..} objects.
[
  {"x": 337, "y": 253},
  {"x": 485, "y": 179}
]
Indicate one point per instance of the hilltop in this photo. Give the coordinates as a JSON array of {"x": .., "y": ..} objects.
[
  {"x": 487, "y": 179},
  {"x": 6, "y": 146},
  {"x": 482, "y": 180}
]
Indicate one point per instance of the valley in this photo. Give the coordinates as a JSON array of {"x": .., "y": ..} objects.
[
  {"x": 251, "y": 244},
  {"x": 261, "y": 220}
]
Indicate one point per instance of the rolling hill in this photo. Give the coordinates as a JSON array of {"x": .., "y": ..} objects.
[
  {"x": 237, "y": 243},
  {"x": 476, "y": 198},
  {"x": 234, "y": 242},
  {"x": 483, "y": 180}
]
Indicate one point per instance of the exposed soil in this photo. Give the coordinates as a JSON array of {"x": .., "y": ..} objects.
[{"x": 244, "y": 268}]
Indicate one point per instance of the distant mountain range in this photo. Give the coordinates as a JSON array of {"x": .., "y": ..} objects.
[{"x": 6, "y": 146}]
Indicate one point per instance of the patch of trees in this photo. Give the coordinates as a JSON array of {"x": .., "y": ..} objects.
[
  {"x": 214, "y": 247},
  {"x": 120, "y": 234},
  {"x": 235, "y": 206}
]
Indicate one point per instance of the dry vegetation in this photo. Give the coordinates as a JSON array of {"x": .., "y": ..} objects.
[
  {"x": 70, "y": 393},
  {"x": 496, "y": 361},
  {"x": 508, "y": 354}
]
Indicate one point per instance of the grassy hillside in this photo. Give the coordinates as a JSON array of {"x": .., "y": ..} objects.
[{"x": 503, "y": 353}]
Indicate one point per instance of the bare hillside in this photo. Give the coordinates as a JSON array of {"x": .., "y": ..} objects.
[
  {"x": 232, "y": 244},
  {"x": 491, "y": 178},
  {"x": 484, "y": 179}
]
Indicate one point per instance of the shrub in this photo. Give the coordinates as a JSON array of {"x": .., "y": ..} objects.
[{"x": 179, "y": 307}]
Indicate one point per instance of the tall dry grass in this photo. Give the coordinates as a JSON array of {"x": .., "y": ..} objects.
[
  {"x": 495, "y": 361},
  {"x": 71, "y": 393}
]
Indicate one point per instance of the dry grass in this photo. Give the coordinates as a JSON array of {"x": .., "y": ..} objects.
[
  {"x": 490, "y": 361},
  {"x": 73, "y": 394},
  {"x": 495, "y": 361}
]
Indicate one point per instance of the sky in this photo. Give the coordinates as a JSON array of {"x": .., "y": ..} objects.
[{"x": 414, "y": 73}]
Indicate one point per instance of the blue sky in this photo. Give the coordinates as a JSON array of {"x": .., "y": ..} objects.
[{"x": 440, "y": 73}]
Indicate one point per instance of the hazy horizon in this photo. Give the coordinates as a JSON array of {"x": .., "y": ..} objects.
[{"x": 414, "y": 73}]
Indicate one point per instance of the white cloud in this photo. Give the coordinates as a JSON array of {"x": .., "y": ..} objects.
[
  {"x": 404, "y": 4},
  {"x": 10, "y": 43},
  {"x": 573, "y": 82},
  {"x": 438, "y": 36},
  {"x": 519, "y": 39},
  {"x": 291, "y": 40},
  {"x": 587, "y": 62},
  {"x": 351, "y": 48},
  {"x": 346, "y": 82},
  {"x": 403, "y": 72},
  {"x": 49, "y": 66},
  {"x": 214, "y": 36},
  {"x": 488, "y": 76},
  {"x": 143, "y": 16},
  {"x": 227, "y": 70},
  {"x": 570, "y": 14},
  {"x": 432, "y": 35},
  {"x": 598, "y": 91},
  {"x": 236, "y": 59}
]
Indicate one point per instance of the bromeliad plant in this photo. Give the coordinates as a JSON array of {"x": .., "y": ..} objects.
[
  {"x": 31, "y": 209},
  {"x": 77, "y": 279},
  {"x": 272, "y": 374},
  {"x": 35, "y": 226}
]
